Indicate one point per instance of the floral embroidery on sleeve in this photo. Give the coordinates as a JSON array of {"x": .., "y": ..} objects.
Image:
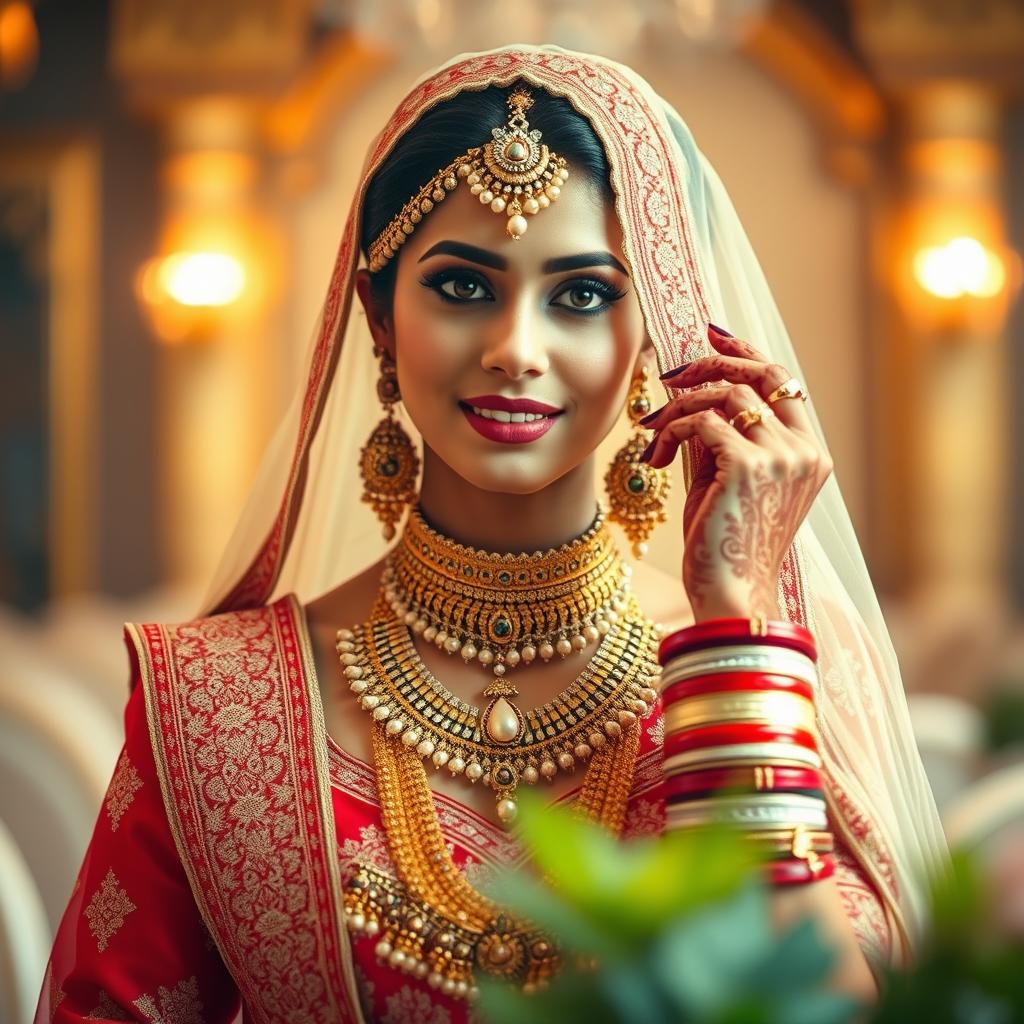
[
  {"x": 178, "y": 1005},
  {"x": 107, "y": 910},
  {"x": 410, "y": 1006},
  {"x": 123, "y": 786},
  {"x": 107, "y": 1009}
]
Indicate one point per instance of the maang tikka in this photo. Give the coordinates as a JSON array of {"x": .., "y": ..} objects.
[
  {"x": 388, "y": 462},
  {"x": 636, "y": 491},
  {"x": 514, "y": 175}
]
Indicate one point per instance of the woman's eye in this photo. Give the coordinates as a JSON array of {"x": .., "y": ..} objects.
[
  {"x": 582, "y": 298},
  {"x": 462, "y": 288}
]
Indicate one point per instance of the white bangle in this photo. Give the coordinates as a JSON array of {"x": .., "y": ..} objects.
[
  {"x": 755, "y": 753},
  {"x": 741, "y": 658},
  {"x": 750, "y": 817}
]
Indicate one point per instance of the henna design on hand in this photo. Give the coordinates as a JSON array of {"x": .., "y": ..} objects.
[{"x": 757, "y": 539}]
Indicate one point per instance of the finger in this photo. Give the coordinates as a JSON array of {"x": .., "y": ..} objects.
[
  {"x": 691, "y": 401},
  {"x": 709, "y": 425},
  {"x": 732, "y": 399},
  {"x": 764, "y": 377},
  {"x": 743, "y": 398},
  {"x": 730, "y": 345}
]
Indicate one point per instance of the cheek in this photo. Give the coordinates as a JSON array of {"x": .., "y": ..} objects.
[
  {"x": 429, "y": 346},
  {"x": 599, "y": 369}
]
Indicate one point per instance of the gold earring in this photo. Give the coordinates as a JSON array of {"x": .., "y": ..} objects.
[
  {"x": 636, "y": 491},
  {"x": 388, "y": 462}
]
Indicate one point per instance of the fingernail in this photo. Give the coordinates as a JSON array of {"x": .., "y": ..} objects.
[
  {"x": 651, "y": 417},
  {"x": 648, "y": 451},
  {"x": 672, "y": 373},
  {"x": 719, "y": 330}
]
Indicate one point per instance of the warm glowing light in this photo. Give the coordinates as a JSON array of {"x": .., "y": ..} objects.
[
  {"x": 961, "y": 267},
  {"x": 202, "y": 278},
  {"x": 19, "y": 43}
]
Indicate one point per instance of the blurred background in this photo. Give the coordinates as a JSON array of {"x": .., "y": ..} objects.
[{"x": 174, "y": 175}]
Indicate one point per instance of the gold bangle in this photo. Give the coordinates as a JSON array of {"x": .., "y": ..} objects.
[
  {"x": 783, "y": 709},
  {"x": 787, "y": 835}
]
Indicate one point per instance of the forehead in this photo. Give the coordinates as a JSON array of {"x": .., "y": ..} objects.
[{"x": 582, "y": 219}]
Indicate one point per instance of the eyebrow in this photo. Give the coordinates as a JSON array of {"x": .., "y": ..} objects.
[{"x": 557, "y": 265}]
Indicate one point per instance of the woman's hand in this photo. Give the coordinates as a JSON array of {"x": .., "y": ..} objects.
[{"x": 753, "y": 486}]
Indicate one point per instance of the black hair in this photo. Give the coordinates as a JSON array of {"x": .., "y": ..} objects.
[{"x": 451, "y": 128}]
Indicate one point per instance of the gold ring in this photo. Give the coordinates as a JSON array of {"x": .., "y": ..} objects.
[
  {"x": 791, "y": 388},
  {"x": 746, "y": 418}
]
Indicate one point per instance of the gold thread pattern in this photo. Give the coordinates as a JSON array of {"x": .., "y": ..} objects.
[
  {"x": 123, "y": 787},
  {"x": 107, "y": 910},
  {"x": 233, "y": 713},
  {"x": 178, "y": 1005},
  {"x": 107, "y": 1009}
]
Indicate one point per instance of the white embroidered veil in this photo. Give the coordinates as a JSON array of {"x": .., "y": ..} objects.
[{"x": 304, "y": 528}]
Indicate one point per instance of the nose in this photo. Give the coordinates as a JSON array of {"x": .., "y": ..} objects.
[{"x": 514, "y": 343}]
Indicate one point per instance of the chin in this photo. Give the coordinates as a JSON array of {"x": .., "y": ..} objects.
[{"x": 511, "y": 473}]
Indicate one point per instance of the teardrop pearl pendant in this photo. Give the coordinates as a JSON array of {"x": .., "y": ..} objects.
[{"x": 501, "y": 721}]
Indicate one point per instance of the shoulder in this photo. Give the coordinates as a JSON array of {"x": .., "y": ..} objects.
[
  {"x": 662, "y": 596},
  {"x": 348, "y": 603}
]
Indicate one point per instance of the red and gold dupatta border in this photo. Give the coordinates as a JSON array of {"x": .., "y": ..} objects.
[
  {"x": 863, "y": 840},
  {"x": 239, "y": 742}
]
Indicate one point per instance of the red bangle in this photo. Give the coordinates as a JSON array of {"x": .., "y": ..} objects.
[
  {"x": 718, "y": 735},
  {"x": 755, "y": 779},
  {"x": 727, "y": 632},
  {"x": 798, "y": 872},
  {"x": 724, "y": 682}
]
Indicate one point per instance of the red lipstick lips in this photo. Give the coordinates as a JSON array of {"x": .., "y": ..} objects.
[{"x": 521, "y": 432}]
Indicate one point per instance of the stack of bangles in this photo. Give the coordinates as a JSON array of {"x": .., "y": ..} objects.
[{"x": 741, "y": 744}]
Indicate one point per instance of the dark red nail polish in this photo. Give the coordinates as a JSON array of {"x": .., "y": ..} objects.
[
  {"x": 650, "y": 417},
  {"x": 719, "y": 330},
  {"x": 672, "y": 373},
  {"x": 648, "y": 451}
]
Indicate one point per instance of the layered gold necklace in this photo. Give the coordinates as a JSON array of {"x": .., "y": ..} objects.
[
  {"x": 504, "y": 610},
  {"x": 510, "y": 609}
]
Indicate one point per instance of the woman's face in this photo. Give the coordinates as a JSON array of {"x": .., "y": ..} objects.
[{"x": 481, "y": 321}]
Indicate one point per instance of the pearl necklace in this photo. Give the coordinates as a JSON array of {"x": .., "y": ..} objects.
[{"x": 501, "y": 745}]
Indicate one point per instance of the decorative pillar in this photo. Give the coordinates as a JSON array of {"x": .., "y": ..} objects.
[
  {"x": 945, "y": 278},
  {"x": 212, "y": 290}
]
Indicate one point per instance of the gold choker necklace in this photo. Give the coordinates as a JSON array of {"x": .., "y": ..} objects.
[{"x": 503, "y": 610}]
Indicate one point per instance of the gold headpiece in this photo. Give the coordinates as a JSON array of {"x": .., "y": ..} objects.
[{"x": 515, "y": 174}]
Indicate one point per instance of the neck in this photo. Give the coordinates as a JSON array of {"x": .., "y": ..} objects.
[{"x": 507, "y": 523}]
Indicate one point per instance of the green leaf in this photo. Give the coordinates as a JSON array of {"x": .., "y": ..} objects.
[
  {"x": 570, "y": 998},
  {"x": 635, "y": 886},
  {"x": 700, "y": 960},
  {"x": 567, "y": 924},
  {"x": 799, "y": 959}
]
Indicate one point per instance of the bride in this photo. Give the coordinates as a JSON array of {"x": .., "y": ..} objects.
[{"x": 312, "y": 789}]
